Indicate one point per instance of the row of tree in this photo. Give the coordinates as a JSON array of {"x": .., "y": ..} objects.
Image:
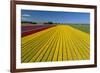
[
  {"x": 37, "y": 23},
  {"x": 42, "y": 22}
]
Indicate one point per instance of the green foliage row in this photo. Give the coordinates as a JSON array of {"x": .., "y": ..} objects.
[{"x": 82, "y": 27}]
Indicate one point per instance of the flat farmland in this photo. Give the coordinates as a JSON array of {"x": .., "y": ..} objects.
[
  {"x": 57, "y": 43},
  {"x": 82, "y": 27},
  {"x": 30, "y": 29}
]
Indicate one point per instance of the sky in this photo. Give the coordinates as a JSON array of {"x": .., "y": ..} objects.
[{"x": 55, "y": 16}]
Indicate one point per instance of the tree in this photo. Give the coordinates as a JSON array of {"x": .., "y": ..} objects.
[
  {"x": 50, "y": 22},
  {"x": 34, "y": 23}
]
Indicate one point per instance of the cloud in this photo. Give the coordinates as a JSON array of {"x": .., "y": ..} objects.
[{"x": 26, "y": 15}]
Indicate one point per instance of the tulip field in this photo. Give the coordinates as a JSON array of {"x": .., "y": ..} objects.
[{"x": 56, "y": 43}]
